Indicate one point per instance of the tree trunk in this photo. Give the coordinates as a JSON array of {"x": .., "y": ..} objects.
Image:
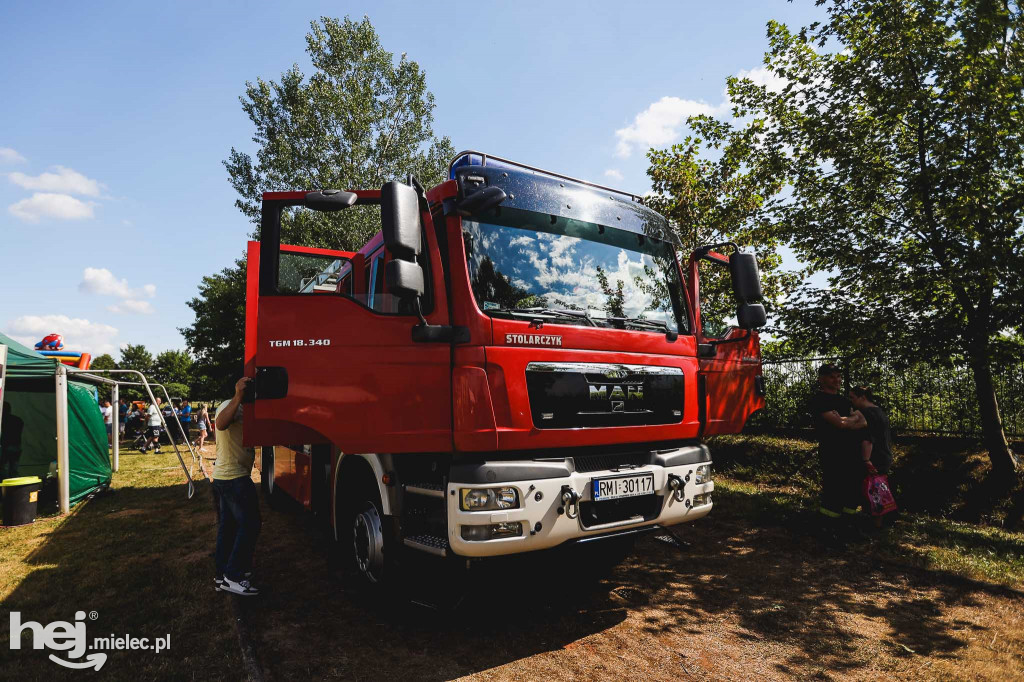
[{"x": 993, "y": 437}]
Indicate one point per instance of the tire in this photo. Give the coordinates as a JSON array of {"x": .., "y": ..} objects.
[
  {"x": 362, "y": 554},
  {"x": 270, "y": 491}
]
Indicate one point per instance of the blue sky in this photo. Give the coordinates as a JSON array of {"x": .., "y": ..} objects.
[{"x": 117, "y": 115}]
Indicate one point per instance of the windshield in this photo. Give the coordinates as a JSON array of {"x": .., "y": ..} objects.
[{"x": 577, "y": 272}]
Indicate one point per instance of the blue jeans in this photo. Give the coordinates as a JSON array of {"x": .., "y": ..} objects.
[{"x": 238, "y": 527}]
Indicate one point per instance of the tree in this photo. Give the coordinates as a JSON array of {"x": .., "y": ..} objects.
[
  {"x": 217, "y": 336},
  {"x": 141, "y": 360},
  {"x": 357, "y": 122},
  {"x": 104, "y": 361},
  {"x": 174, "y": 366},
  {"x": 715, "y": 200},
  {"x": 360, "y": 120},
  {"x": 899, "y": 131}
]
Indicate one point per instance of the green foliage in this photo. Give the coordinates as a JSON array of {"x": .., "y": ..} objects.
[
  {"x": 615, "y": 299},
  {"x": 141, "y": 360},
  {"x": 360, "y": 120},
  {"x": 174, "y": 366},
  {"x": 710, "y": 201},
  {"x": 899, "y": 133},
  {"x": 217, "y": 336},
  {"x": 104, "y": 361}
]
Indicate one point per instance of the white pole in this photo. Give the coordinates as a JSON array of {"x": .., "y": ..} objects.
[
  {"x": 63, "y": 469},
  {"x": 115, "y": 427}
]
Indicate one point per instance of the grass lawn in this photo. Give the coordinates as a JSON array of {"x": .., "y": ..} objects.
[{"x": 748, "y": 593}]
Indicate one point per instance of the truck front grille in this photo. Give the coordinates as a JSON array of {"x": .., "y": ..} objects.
[{"x": 630, "y": 460}]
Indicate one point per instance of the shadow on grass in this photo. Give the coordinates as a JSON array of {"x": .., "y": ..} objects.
[
  {"x": 758, "y": 574},
  {"x": 139, "y": 558}
]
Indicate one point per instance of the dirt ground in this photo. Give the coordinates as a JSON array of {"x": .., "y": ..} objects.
[
  {"x": 730, "y": 602},
  {"x": 737, "y": 599}
]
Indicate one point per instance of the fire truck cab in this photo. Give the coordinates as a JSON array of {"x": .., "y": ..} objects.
[{"x": 515, "y": 361}]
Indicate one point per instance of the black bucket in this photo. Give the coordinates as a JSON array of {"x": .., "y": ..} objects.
[{"x": 20, "y": 497}]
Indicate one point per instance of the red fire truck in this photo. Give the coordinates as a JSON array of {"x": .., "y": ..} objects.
[{"x": 514, "y": 362}]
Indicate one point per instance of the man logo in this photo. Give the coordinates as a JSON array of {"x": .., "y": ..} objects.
[{"x": 617, "y": 393}]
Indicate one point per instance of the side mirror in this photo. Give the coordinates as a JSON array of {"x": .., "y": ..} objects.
[
  {"x": 404, "y": 279},
  {"x": 746, "y": 278},
  {"x": 750, "y": 316},
  {"x": 400, "y": 220}
]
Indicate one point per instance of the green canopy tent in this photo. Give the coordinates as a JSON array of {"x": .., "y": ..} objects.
[{"x": 55, "y": 410}]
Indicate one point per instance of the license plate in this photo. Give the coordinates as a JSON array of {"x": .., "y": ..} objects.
[{"x": 623, "y": 486}]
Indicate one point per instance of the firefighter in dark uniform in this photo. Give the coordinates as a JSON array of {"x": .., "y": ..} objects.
[{"x": 838, "y": 454}]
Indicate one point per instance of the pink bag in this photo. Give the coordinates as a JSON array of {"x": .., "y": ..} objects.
[{"x": 877, "y": 492}]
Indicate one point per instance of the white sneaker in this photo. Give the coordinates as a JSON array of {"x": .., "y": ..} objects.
[
  {"x": 218, "y": 581},
  {"x": 243, "y": 587}
]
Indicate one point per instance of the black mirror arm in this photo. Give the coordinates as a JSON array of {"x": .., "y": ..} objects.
[{"x": 719, "y": 342}]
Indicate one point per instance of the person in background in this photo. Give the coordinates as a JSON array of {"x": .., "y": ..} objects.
[
  {"x": 837, "y": 453},
  {"x": 238, "y": 502},
  {"x": 185, "y": 417},
  {"x": 153, "y": 427},
  {"x": 876, "y": 443},
  {"x": 10, "y": 442},
  {"x": 122, "y": 416},
  {"x": 108, "y": 419},
  {"x": 202, "y": 425}
]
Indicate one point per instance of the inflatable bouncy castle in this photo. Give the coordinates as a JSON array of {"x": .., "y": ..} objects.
[{"x": 52, "y": 346}]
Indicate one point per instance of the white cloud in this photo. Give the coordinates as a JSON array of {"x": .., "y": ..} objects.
[
  {"x": 662, "y": 122},
  {"x": 613, "y": 173},
  {"x": 659, "y": 124},
  {"x": 8, "y": 155},
  {"x": 102, "y": 281},
  {"x": 79, "y": 334},
  {"x": 45, "y": 205},
  {"x": 131, "y": 307},
  {"x": 65, "y": 180},
  {"x": 762, "y": 75}
]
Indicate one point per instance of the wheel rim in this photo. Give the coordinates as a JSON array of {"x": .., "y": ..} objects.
[{"x": 368, "y": 543}]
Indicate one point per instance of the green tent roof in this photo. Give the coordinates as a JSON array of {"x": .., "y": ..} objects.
[{"x": 24, "y": 362}]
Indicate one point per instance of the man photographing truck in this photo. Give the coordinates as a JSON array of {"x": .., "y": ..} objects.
[
  {"x": 237, "y": 501},
  {"x": 515, "y": 362}
]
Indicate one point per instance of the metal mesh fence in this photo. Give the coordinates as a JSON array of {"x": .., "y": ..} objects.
[{"x": 919, "y": 397}]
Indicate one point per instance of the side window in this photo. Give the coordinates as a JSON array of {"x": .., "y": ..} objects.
[
  {"x": 717, "y": 306},
  {"x": 306, "y": 273},
  {"x": 377, "y": 296}
]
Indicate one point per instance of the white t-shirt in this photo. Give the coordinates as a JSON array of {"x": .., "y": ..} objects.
[
  {"x": 154, "y": 415},
  {"x": 108, "y": 414}
]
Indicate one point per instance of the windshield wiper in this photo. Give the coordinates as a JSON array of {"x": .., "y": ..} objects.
[
  {"x": 535, "y": 312},
  {"x": 642, "y": 323}
]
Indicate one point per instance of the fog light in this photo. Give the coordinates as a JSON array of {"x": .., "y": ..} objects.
[
  {"x": 701, "y": 499},
  {"x": 483, "y": 499},
  {"x": 493, "y": 531},
  {"x": 703, "y": 474}
]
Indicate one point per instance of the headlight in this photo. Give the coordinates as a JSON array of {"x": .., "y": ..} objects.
[
  {"x": 494, "y": 531},
  {"x": 483, "y": 499},
  {"x": 703, "y": 474}
]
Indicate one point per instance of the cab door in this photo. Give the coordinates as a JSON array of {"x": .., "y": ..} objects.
[
  {"x": 331, "y": 350},
  {"x": 729, "y": 383}
]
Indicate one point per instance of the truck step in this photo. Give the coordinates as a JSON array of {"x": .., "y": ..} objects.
[
  {"x": 428, "y": 489},
  {"x": 432, "y": 544}
]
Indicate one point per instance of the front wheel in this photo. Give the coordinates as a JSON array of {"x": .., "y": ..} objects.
[
  {"x": 267, "y": 482},
  {"x": 362, "y": 551}
]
